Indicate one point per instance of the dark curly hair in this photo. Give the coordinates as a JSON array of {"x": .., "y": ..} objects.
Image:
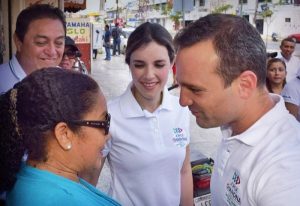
[
  {"x": 32, "y": 109},
  {"x": 146, "y": 33},
  {"x": 35, "y": 12}
]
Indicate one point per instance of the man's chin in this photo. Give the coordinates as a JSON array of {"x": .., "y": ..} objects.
[
  {"x": 205, "y": 124},
  {"x": 49, "y": 64}
]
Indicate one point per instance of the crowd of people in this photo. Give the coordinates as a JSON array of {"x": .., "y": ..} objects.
[{"x": 54, "y": 140}]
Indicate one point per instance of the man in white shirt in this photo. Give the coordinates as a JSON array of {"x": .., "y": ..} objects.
[
  {"x": 39, "y": 38},
  {"x": 221, "y": 68},
  {"x": 292, "y": 62}
]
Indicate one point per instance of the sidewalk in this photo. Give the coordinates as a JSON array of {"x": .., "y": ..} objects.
[{"x": 113, "y": 77}]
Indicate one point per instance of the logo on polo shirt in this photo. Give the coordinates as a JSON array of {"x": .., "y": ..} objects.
[
  {"x": 232, "y": 190},
  {"x": 179, "y": 137}
]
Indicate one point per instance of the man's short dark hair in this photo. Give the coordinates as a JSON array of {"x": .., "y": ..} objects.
[
  {"x": 289, "y": 39},
  {"x": 237, "y": 43},
  {"x": 35, "y": 12}
]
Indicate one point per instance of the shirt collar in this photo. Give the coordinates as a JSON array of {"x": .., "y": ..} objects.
[
  {"x": 250, "y": 137},
  {"x": 16, "y": 68},
  {"x": 131, "y": 108}
]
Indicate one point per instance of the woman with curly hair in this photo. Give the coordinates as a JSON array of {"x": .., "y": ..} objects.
[{"x": 59, "y": 119}]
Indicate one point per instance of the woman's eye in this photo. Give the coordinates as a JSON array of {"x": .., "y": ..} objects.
[
  {"x": 59, "y": 43},
  {"x": 138, "y": 65}
]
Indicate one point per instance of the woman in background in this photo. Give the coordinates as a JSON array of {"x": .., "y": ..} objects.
[{"x": 276, "y": 75}]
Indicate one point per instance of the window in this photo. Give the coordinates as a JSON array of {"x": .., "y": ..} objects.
[
  {"x": 244, "y": 1},
  {"x": 288, "y": 20},
  {"x": 201, "y": 2}
]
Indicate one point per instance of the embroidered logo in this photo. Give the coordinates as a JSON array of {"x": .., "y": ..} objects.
[
  {"x": 179, "y": 137},
  {"x": 232, "y": 190}
]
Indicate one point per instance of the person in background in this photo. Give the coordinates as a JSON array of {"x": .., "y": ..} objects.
[
  {"x": 291, "y": 96},
  {"x": 106, "y": 44},
  {"x": 149, "y": 153},
  {"x": 40, "y": 41},
  {"x": 62, "y": 131},
  {"x": 221, "y": 70},
  {"x": 71, "y": 52},
  {"x": 271, "y": 55},
  {"x": 174, "y": 75},
  {"x": 116, "y": 35},
  {"x": 292, "y": 62},
  {"x": 95, "y": 50},
  {"x": 276, "y": 74}
]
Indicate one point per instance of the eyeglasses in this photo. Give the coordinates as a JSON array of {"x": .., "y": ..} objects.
[
  {"x": 70, "y": 54},
  {"x": 93, "y": 123}
]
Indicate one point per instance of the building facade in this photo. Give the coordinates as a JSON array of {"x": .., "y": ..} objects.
[{"x": 283, "y": 21}]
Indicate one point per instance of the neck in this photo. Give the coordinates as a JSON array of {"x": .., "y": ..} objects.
[
  {"x": 23, "y": 65},
  {"x": 286, "y": 57},
  {"x": 260, "y": 105},
  {"x": 55, "y": 167},
  {"x": 149, "y": 105},
  {"x": 277, "y": 88}
]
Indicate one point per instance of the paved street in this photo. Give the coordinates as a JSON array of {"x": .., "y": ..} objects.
[{"x": 113, "y": 77}]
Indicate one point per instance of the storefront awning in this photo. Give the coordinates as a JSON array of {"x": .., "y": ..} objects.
[{"x": 74, "y": 5}]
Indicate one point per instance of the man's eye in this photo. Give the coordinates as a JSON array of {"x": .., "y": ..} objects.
[
  {"x": 195, "y": 90},
  {"x": 159, "y": 65},
  {"x": 40, "y": 43}
]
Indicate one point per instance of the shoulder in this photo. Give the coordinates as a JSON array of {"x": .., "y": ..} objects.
[
  {"x": 4, "y": 68},
  {"x": 7, "y": 79},
  {"x": 292, "y": 86},
  {"x": 40, "y": 194}
]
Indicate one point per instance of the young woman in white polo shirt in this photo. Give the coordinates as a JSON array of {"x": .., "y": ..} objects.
[{"x": 149, "y": 147}]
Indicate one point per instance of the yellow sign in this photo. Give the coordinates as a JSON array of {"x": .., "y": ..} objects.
[{"x": 79, "y": 29}]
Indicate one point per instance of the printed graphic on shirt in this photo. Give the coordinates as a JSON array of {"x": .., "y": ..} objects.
[
  {"x": 233, "y": 197},
  {"x": 179, "y": 137}
]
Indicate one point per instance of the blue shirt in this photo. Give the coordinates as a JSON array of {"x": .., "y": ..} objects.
[
  {"x": 40, "y": 187},
  {"x": 10, "y": 73}
]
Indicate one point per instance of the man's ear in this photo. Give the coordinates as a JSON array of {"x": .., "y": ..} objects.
[
  {"x": 17, "y": 42},
  {"x": 247, "y": 83},
  {"x": 63, "y": 135}
]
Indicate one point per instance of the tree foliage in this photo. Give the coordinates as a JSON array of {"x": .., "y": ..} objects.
[{"x": 222, "y": 9}]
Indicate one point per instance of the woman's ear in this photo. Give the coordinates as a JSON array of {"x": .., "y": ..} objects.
[
  {"x": 247, "y": 83},
  {"x": 63, "y": 135}
]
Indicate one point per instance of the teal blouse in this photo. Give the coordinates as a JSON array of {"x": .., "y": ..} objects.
[{"x": 39, "y": 187}]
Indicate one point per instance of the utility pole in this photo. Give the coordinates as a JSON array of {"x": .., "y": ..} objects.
[
  {"x": 241, "y": 12},
  {"x": 117, "y": 11},
  {"x": 183, "y": 19}
]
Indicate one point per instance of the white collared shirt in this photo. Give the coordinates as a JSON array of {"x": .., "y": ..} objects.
[
  {"x": 291, "y": 93},
  {"x": 292, "y": 66},
  {"x": 10, "y": 73},
  {"x": 261, "y": 166},
  {"x": 147, "y": 150}
]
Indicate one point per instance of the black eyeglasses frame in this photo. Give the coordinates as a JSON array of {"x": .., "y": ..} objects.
[{"x": 94, "y": 123}]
